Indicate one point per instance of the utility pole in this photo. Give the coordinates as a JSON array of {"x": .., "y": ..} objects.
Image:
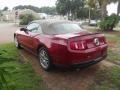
[{"x": 16, "y": 15}]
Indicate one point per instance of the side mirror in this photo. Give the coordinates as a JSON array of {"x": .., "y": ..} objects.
[{"x": 23, "y": 29}]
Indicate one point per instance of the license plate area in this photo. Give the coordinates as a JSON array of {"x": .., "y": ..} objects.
[{"x": 98, "y": 53}]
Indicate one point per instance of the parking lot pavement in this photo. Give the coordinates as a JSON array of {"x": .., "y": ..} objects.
[{"x": 7, "y": 32}]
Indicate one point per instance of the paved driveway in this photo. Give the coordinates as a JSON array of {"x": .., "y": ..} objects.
[{"x": 6, "y": 32}]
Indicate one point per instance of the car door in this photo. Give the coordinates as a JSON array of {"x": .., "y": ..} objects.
[
  {"x": 33, "y": 39},
  {"x": 23, "y": 37},
  {"x": 26, "y": 35}
]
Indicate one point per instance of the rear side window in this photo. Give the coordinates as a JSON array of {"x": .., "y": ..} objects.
[
  {"x": 35, "y": 28},
  {"x": 32, "y": 26},
  {"x": 64, "y": 28}
]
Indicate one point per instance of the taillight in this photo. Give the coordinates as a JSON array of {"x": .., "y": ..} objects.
[{"x": 78, "y": 45}]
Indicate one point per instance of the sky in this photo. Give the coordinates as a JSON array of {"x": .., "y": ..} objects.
[
  {"x": 112, "y": 8},
  {"x": 38, "y": 3}
]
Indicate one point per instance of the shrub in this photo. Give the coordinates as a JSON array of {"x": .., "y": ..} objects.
[
  {"x": 109, "y": 22},
  {"x": 26, "y": 18}
]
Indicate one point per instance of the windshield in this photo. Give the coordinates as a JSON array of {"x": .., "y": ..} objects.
[{"x": 64, "y": 28}]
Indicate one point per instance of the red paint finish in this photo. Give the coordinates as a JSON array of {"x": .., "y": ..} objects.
[{"x": 66, "y": 49}]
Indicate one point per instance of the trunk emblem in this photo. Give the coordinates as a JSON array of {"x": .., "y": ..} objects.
[{"x": 96, "y": 41}]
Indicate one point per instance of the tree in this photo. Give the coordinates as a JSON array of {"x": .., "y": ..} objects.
[
  {"x": 69, "y": 7},
  {"x": 91, "y": 5},
  {"x": 109, "y": 22},
  {"x": 26, "y": 18},
  {"x": 48, "y": 10},
  {"x": 118, "y": 9},
  {"x": 1, "y": 13},
  {"x": 103, "y": 6},
  {"x": 63, "y": 7},
  {"x": 99, "y": 4},
  {"x": 5, "y": 8},
  {"x": 36, "y": 9},
  {"x": 84, "y": 13},
  {"x": 104, "y": 3},
  {"x": 76, "y": 6}
]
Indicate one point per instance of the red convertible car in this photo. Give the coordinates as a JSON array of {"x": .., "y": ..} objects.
[{"x": 63, "y": 43}]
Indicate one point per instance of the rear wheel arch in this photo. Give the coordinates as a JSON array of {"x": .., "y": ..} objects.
[{"x": 43, "y": 47}]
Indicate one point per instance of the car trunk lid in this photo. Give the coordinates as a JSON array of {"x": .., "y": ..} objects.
[{"x": 86, "y": 40}]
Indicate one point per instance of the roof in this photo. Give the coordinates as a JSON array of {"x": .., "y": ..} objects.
[
  {"x": 46, "y": 24},
  {"x": 51, "y": 21}
]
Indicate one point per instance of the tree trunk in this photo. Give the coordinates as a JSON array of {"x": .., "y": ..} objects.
[
  {"x": 118, "y": 9},
  {"x": 68, "y": 15},
  {"x": 89, "y": 15},
  {"x": 103, "y": 11}
]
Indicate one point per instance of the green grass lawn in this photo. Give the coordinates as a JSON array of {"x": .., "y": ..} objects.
[
  {"x": 22, "y": 76},
  {"x": 114, "y": 50},
  {"x": 107, "y": 79}
]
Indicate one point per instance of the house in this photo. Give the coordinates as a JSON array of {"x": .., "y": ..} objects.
[{"x": 13, "y": 15}]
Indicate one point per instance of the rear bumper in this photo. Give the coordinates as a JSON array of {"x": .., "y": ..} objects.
[
  {"x": 91, "y": 62},
  {"x": 83, "y": 64},
  {"x": 66, "y": 57}
]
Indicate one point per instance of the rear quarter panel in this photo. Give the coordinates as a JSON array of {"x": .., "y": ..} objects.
[{"x": 57, "y": 47}]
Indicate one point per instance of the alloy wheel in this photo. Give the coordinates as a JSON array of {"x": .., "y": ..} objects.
[{"x": 44, "y": 59}]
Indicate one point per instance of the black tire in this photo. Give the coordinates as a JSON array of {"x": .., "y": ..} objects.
[
  {"x": 49, "y": 65},
  {"x": 17, "y": 44}
]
